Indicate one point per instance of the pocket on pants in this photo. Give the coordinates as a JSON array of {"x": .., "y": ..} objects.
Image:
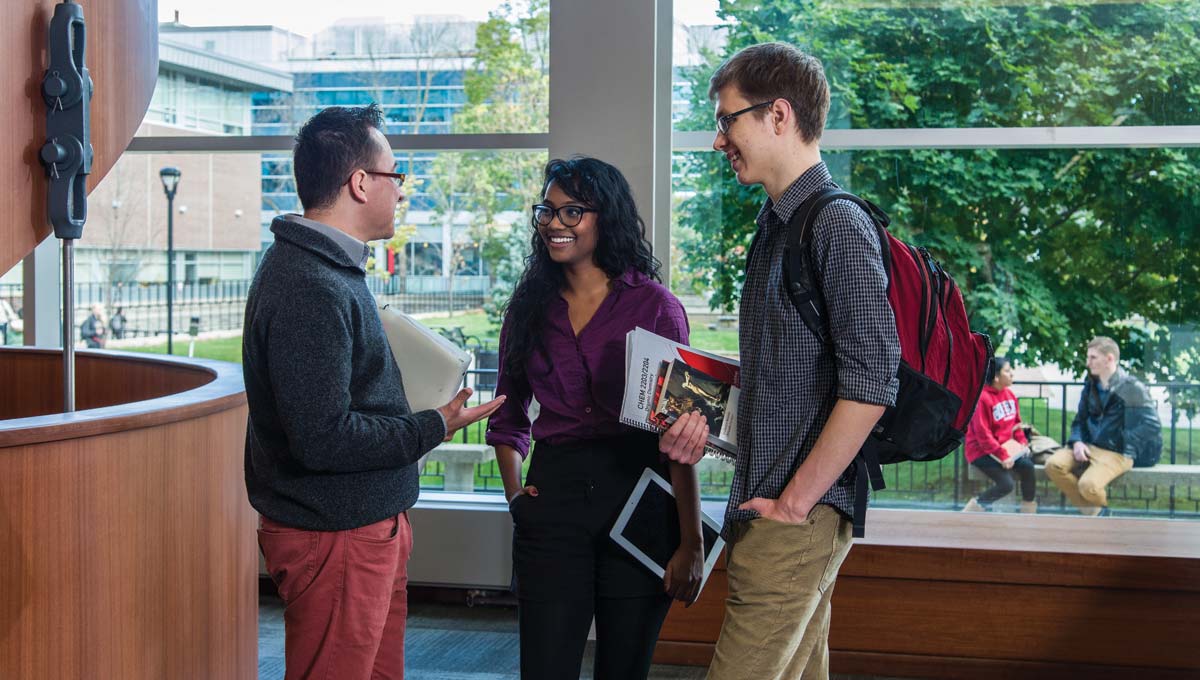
[
  {"x": 383, "y": 531},
  {"x": 830, "y": 534},
  {"x": 290, "y": 555}
]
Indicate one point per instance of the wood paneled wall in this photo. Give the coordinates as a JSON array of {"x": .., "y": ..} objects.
[
  {"x": 122, "y": 56},
  {"x": 101, "y": 379},
  {"x": 956, "y": 613},
  {"x": 127, "y": 546}
]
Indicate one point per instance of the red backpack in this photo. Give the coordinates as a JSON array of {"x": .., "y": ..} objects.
[{"x": 943, "y": 363}]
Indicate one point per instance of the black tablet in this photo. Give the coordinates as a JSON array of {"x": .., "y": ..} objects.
[{"x": 648, "y": 526}]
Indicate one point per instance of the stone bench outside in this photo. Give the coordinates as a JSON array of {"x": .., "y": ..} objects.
[
  {"x": 1162, "y": 474},
  {"x": 460, "y": 461}
]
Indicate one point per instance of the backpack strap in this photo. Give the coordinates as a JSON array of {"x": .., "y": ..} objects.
[
  {"x": 806, "y": 297},
  {"x": 869, "y": 470},
  {"x": 798, "y": 281}
]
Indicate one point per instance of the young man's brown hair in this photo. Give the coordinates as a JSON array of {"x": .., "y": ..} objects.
[
  {"x": 1105, "y": 345},
  {"x": 771, "y": 71}
]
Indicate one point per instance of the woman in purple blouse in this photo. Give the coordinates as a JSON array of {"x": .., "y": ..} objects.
[{"x": 590, "y": 279}]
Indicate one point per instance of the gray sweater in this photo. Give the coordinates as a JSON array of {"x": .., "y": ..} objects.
[{"x": 331, "y": 443}]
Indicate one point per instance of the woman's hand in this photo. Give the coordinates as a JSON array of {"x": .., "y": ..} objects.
[
  {"x": 684, "y": 441},
  {"x": 529, "y": 490},
  {"x": 684, "y": 573}
]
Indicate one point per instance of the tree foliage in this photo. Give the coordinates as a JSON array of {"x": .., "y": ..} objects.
[
  {"x": 1050, "y": 247},
  {"x": 507, "y": 88}
]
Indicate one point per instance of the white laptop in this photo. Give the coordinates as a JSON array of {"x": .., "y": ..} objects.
[{"x": 431, "y": 366}]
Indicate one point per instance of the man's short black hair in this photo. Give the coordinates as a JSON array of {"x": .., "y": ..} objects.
[{"x": 330, "y": 146}]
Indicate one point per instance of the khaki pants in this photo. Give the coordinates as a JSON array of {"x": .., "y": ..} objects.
[
  {"x": 780, "y": 582},
  {"x": 1087, "y": 490}
]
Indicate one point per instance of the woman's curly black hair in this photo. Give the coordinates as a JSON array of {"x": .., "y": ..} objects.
[{"x": 621, "y": 245}]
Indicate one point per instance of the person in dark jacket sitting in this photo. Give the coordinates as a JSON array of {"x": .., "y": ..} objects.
[{"x": 1116, "y": 428}]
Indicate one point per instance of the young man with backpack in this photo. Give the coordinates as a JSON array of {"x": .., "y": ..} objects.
[{"x": 806, "y": 405}]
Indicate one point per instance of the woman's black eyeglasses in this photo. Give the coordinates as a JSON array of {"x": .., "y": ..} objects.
[{"x": 568, "y": 215}]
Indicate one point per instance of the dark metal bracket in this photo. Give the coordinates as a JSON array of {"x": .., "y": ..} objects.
[{"x": 67, "y": 91}]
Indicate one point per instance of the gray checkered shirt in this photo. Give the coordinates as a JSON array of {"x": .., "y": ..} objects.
[{"x": 789, "y": 380}]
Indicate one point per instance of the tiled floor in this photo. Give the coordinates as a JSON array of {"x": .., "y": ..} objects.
[
  {"x": 444, "y": 642},
  {"x": 451, "y": 642}
]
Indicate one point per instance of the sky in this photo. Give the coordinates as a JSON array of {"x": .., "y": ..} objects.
[{"x": 308, "y": 17}]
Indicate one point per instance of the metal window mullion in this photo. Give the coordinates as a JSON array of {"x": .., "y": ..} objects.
[
  {"x": 986, "y": 138},
  {"x": 535, "y": 141}
]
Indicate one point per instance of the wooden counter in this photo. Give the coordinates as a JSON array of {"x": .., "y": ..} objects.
[{"x": 127, "y": 545}]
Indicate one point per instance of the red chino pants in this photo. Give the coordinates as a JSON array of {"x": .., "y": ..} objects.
[{"x": 345, "y": 595}]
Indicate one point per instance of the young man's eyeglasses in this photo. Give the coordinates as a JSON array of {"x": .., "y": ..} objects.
[
  {"x": 568, "y": 215},
  {"x": 397, "y": 177},
  {"x": 725, "y": 121}
]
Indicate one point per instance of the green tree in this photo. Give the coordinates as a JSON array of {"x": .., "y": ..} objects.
[
  {"x": 507, "y": 88},
  {"x": 1049, "y": 246}
]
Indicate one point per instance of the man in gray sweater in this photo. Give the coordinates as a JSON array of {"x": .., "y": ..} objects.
[{"x": 332, "y": 445}]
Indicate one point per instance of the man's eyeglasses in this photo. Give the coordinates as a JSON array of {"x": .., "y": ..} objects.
[
  {"x": 568, "y": 215},
  {"x": 725, "y": 121},
  {"x": 397, "y": 177}
]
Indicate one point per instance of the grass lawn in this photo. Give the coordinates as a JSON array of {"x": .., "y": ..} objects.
[
  {"x": 724, "y": 341},
  {"x": 222, "y": 349},
  {"x": 472, "y": 323}
]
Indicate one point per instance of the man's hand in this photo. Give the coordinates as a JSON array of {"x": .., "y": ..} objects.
[
  {"x": 684, "y": 441},
  {"x": 457, "y": 415},
  {"x": 685, "y": 571},
  {"x": 1081, "y": 452},
  {"x": 778, "y": 510}
]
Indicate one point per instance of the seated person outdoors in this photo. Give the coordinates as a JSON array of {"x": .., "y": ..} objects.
[
  {"x": 93, "y": 329},
  {"x": 996, "y": 442},
  {"x": 1116, "y": 428}
]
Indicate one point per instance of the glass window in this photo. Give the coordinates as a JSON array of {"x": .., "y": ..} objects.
[
  {"x": 427, "y": 259},
  {"x": 1050, "y": 249},
  {"x": 424, "y": 60},
  {"x": 963, "y": 64}
]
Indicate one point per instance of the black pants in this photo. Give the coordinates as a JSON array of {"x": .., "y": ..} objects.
[
  {"x": 569, "y": 570},
  {"x": 1002, "y": 483}
]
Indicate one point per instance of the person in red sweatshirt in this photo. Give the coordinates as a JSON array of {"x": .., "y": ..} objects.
[{"x": 996, "y": 442}]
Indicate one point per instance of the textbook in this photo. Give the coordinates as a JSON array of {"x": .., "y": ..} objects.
[{"x": 665, "y": 379}]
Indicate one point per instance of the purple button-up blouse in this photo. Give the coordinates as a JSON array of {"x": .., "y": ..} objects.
[{"x": 579, "y": 381}]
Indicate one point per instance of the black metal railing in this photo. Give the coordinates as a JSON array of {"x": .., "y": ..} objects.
[
  {"x": 944, "y": 484},
  {"x": 220, "y": 305}
]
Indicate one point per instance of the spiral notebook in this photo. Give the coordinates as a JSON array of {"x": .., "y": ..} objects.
[{"x": 664, "y": 379}]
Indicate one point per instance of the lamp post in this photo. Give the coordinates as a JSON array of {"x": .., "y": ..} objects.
[{"x": 170, "y": 181}]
